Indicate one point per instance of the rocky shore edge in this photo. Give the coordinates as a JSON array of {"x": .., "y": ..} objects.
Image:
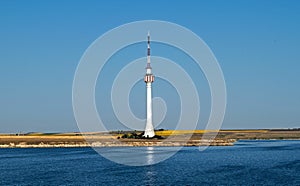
[{"x": 216, "y": 142}]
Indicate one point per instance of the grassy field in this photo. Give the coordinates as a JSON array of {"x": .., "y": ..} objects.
[
  {"x": 71, "y": 138},
  {"x": 231, "y": 134}
]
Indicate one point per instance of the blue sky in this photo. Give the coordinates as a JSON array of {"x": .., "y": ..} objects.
[{"x": 256, "y": 43}]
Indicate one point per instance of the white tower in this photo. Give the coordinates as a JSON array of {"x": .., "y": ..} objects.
[{"x": 149, "y": 78}]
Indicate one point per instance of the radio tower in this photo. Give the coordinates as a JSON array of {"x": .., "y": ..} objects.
[{"x": 149, "y": 78}]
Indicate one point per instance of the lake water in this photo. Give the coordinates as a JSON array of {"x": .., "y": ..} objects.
[{"x": 273, "y": 162}]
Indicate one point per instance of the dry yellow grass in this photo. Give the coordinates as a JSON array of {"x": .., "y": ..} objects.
[
  {"x": 246, "y": 131},
  {"x": 181, "y": 132}
]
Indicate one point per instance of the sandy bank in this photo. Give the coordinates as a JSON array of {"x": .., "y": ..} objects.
[{"x": 130, "y": 143}]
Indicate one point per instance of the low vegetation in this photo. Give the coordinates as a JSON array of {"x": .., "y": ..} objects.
[{"x": 134, "y": 135}]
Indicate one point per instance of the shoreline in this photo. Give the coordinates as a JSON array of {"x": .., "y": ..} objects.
[
  {"x": 134, "y": 144},
  {"x": 115, "y": 139},
  {"x": 122, "y": 144}
]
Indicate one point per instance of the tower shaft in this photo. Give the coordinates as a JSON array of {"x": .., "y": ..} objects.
[{"x": 149, "y": 78}]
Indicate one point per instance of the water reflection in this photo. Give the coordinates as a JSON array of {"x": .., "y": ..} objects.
[
  {"x": 149, "y": 155},
  {"x": 137, "y": 156}
]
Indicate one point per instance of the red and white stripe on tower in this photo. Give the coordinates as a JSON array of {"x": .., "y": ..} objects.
[{"x": 149, "y": 78}]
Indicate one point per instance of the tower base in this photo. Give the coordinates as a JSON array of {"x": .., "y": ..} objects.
[{"x": 149, "y": 134}]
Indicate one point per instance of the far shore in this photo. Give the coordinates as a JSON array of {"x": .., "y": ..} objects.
[{"x": 167, "y": 138}]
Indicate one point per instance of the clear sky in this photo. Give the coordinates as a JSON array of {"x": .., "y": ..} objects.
[{"x": 256, "y": 43}]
